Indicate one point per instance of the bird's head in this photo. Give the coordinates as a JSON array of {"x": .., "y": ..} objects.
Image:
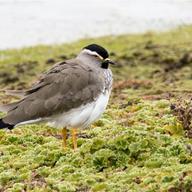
[{"x": 96, "y": 54}]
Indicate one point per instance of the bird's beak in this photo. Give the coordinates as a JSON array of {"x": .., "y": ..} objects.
[{"x": 109, "y": 61}]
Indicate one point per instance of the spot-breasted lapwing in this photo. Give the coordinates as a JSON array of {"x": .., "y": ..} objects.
[{"x": 71, "y": 95}]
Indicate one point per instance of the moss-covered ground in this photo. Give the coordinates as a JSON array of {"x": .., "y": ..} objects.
[{"x": 143, "y": 142}]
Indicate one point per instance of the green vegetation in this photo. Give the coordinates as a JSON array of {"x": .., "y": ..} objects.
[{"x": 143, "y": 142}]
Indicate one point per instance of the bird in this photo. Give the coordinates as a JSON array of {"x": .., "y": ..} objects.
[{"x": 71, "y": 95}]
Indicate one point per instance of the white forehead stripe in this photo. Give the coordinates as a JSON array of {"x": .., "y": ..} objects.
[{"x": 92, "y": 53}]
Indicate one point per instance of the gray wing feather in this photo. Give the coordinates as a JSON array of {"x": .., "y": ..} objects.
[
  {"x": 23, "y": 93},
  {"x": 18, "y": 93},
  {"x": 8, "y": 107},
  {"x": 66, "y": 86}
]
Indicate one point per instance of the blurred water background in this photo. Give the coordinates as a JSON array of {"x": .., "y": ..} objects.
[{"x": 31, "y": 22}]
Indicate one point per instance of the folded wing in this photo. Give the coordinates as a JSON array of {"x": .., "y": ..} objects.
[{"x": 66, "y": 86}]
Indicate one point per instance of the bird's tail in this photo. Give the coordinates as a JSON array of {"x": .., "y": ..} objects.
[{"x": 5, "y": 125}]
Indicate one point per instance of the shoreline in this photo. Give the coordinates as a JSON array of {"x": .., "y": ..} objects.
[
  {"x": 47, "y": 22},
  {"x": 93, "y": 38}
]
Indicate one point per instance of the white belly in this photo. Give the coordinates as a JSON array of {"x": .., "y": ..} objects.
[{"x": 83, "y": 116}]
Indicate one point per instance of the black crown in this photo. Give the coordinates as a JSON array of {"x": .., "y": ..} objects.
[{"x": 98, "y": 49}]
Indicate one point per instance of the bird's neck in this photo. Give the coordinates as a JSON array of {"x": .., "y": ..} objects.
[{"x": 88, "y": 60}]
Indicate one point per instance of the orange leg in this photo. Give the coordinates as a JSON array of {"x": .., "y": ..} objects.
[
  {"x": 64, "y": 137},
  {"x": 74, "y": 138}
]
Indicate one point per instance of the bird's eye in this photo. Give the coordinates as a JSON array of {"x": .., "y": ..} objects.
[{"x": 95, "y": 56}]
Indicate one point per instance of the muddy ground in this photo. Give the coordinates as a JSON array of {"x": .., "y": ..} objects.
[{"x": 143, "y": 142}]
